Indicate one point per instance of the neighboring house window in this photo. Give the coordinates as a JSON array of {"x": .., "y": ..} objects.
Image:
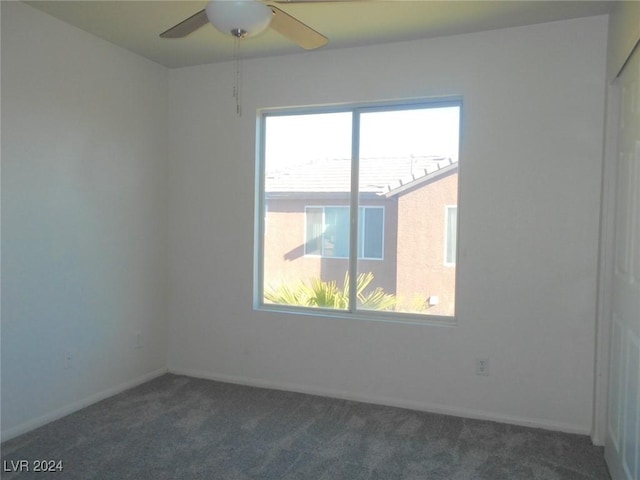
[
  {"x": 450, "y": 232},
  {"x": 327, "y": 232},
  {"x": 353, "y": 197}
]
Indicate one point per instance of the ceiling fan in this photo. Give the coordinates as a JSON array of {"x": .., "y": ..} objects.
[{"x": 247, "y": 18}]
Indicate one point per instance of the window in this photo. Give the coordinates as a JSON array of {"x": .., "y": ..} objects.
[
  {"x": 371, "y": 232},
  {"x": 353, "y": 200},
  {"x": 327, "y": 232},
  {"x": 451, "y": 227}
]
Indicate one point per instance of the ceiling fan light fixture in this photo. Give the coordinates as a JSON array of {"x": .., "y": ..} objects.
[{"x": 239, "y": 18}]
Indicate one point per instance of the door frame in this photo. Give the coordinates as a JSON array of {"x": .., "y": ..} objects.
[{"x": 605, "y": 265}]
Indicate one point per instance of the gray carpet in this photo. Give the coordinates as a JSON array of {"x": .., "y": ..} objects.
[{"x": 177, "y": 427}]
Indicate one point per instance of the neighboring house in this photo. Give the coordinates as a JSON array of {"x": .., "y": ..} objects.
[{"x": 407, "y": 226}]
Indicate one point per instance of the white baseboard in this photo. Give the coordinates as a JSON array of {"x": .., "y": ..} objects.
[
  {"x": 389, "y": 401},
  {"x": 79, "y": 405}
]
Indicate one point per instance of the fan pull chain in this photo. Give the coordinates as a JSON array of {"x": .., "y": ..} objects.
[{"x": 237, "y": 84}]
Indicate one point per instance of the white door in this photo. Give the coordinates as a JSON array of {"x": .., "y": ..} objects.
[{"x": 622, "y": 449}]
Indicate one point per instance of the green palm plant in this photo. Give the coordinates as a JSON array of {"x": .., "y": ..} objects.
[{"x": 321, "y": 294}]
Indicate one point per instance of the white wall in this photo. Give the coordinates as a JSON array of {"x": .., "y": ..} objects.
[
  {"x": 530, "y": 190},
  {"x": 83, "y": 218}
]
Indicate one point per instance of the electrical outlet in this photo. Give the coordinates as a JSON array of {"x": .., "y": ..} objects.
[
  {"x": 67, "y": 360},
  {"x": 138, "y": 340},
  {"x": 482, "y": 366}
]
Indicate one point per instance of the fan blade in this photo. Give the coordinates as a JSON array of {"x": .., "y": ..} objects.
[
  {"x": 295, "y": 30},
  {"x": 187, "y": 26}
]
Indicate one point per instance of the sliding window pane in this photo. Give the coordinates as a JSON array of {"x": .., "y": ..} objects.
[
  {"x": 371, "y": 232},
  {"x": 336, "y": 236},
  {"x": 314, "y": 218},
  {"x": 307, "y": 178},
  {"x": 409, "y": 170}
]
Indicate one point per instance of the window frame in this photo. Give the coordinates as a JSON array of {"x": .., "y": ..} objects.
[{"x": 356, "y": 109}]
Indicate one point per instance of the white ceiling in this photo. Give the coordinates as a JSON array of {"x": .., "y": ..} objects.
[{"x": 135, "y": 25}]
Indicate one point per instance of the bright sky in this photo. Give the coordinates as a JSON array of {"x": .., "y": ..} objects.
[{"x": 420, "y": 132}]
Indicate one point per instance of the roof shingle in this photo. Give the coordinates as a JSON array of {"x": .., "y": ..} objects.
[{"x": 382, "y": 176}]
